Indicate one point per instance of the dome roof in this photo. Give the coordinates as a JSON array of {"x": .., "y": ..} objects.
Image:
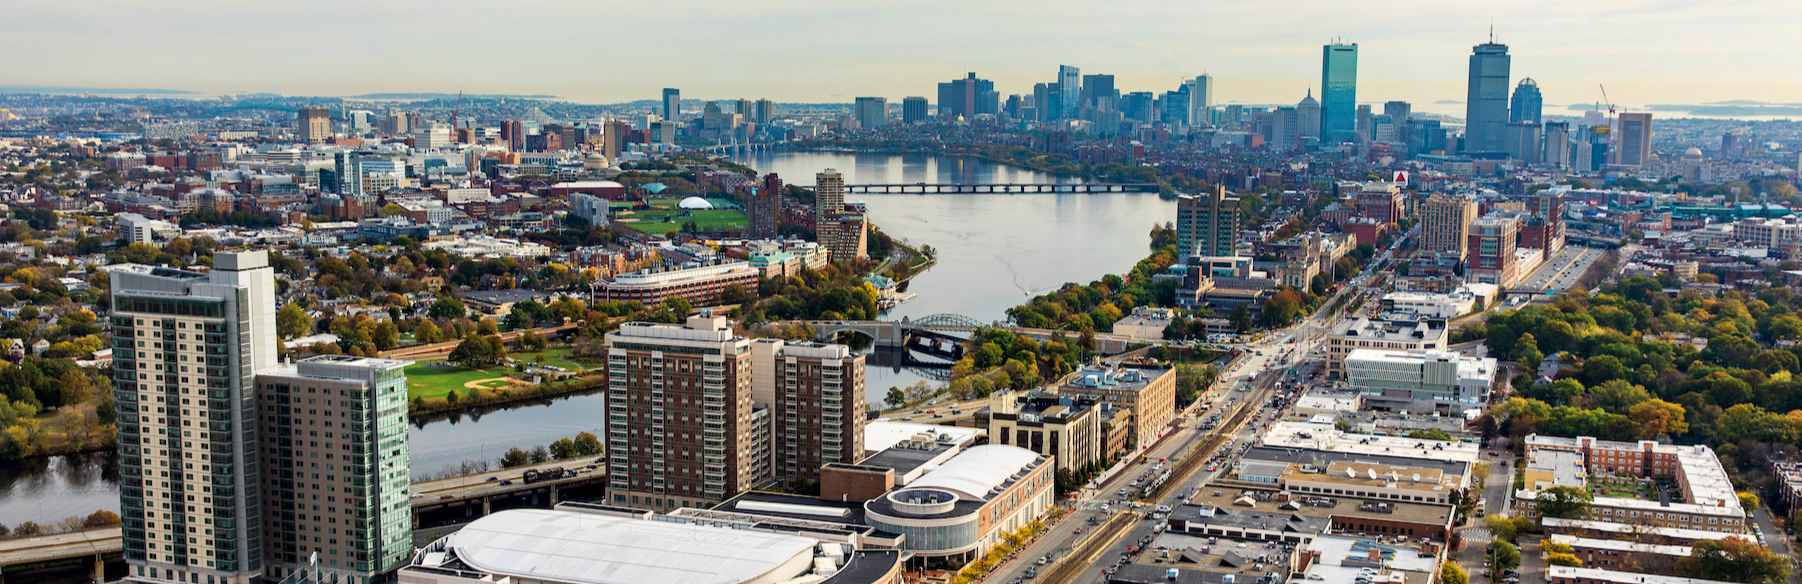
[
  {"x": 1692, "y": 152},
  {"x": 695, "y": 203}
]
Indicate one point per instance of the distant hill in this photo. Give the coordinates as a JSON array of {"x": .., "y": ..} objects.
[
  {"x": 441, "y": 95},
  {"x": 60, "y": 89}
]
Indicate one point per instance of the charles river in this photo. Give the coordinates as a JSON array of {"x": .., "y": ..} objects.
[{"x": 994, "y": 251}]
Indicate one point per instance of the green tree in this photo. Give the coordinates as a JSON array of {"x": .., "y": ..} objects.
[
  {"x": 895, "y": 397},
  {"x": 1504, "y": 554},
  {"x": 587, "y": 444},
  {"x": 1566, "y": 502},
  {"x": 1734, "y": 559},
  {"x": 1526, "y": 351},
  {"x": 1655, "y": 417},
  {"x": 1617, "y": 395},
  {"x": 427, "y": 332},
  {"x": 515, "y": 457},
  {"x": 386, "y": 335},
  {"x": 293, "y": 321},
  {"x": 1450, "y": 573},
  {"x": 563, "y": 449}
]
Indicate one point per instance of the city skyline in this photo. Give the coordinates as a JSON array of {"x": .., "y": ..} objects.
[{"x": 1151, "y": 49}]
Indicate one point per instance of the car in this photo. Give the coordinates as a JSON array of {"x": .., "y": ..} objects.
[
  {"x": 506, "y": 482},
  {"x": 1044, "y": 560}
]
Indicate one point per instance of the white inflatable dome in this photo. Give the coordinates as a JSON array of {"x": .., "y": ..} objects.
[{"x": 695, "y": 203}]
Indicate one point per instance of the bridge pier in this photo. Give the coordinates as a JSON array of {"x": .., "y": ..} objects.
[{"x": 99, "y": 568}]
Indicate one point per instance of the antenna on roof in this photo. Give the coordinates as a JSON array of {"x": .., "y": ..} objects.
[{"x": 1492, "y": 32}]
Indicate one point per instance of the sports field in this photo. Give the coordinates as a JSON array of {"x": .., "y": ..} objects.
[{"x": 666, "y": 217}]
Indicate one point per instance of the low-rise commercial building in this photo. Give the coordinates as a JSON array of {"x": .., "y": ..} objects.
[
  {"x": 1396, "y": 332},
  {"x": 1420, "y": 381},
  {"x": 1062, "y": 426},
  {"x": 956, "y": 512},
  {"x": 1619, "y": 554},
  {"x": 1145, "y": 322},
  {"x": 701, "y": 285},
  {"x": 1147, "y": 393},
  {"x": 1572, "y": 575}
]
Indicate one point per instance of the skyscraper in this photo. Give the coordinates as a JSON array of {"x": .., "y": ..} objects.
[
  {"x": 678, "y": 417},
  {"x": 188, "y": 346},
  {"x": 1633, "y": 139},
  {"x": 313, "y": 124},
  {"x": 1069, "y": 82},
  {"x": 1307, "y": 117},
  {"x": 763, "y": 111},
  {"x": 1339, "y": 92},
  {"x": 672, "y": 103},
  {"x": 1098, "y": 93},
  {"x": 815, "y": 395},
  {"x": 1201, "y": 97},
  {"x": 871, "y": 112},
  {"x": 967, "y": 97},
  {"x": 1399, "y": 112},
  {"x": 351, "y": 413},
  {"x": 1520, "y": 141},
  {"x": 844, "y": 235},
  {"x": 1527, "y": 103},
  {"x": 828, "y": 192},
  {"x": 1486, "y": 99},
  {"x": 763, "y": 210},
  {"x": 1445, "y": 224},
  {"x": 1557, "y": 152},
  {"x": 1207, "y": 224},
  {"x": 913, "y": 110}
]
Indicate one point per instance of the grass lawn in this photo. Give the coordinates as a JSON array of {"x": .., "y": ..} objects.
[
  {"x": 664, "y": 217},
  {"x": 433, "y": 379}
]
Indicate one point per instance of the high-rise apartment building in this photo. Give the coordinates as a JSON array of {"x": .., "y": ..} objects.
[
  {"x": 1527, "y": 105},
  {"x": 513, "y": 132},
  {"x": 186, "y": 349},
  {"x": 846, "y": 236},
  {"x": 1445, "y": 224},
  {"x": 336, "y": 472},
  {"x": 1069, "y": 85},
  {"x": 871, "y": 112},
  {"x": 672, "y": 103},
  {"x": 814, "y": 392},
  {"x": 1201, "y": 97},
  {"x": 763, "y": 209},
  {"x": 678, "y": 417},
  {"x": 1339, "y": 92},
  {"x": 828, "y": 193},
  {"x": 763, "y": 111},
  {"x": 1486, "y": 99},
  {"x": 313, "y": 124},
  {"x": 1207, "y": 224},
  {"x": 1633, "y": 139},
  {"x": 1381, "y": 201},
  {"x": 913, "y": 110}
]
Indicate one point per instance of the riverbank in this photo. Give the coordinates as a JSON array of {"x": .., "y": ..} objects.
[
  {"x": 424, "y": 409},
  {"x": 75, "y": 429},
  {"x": 1014, "y": 156}
]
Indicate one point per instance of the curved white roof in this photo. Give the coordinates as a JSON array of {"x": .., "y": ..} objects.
[
  {"x": 695, "y": 203},
  {"x": 584, "y": 548},
  {"x": 978, "y": 470}
]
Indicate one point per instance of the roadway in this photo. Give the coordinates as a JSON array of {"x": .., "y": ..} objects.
[{"x": 1561, "y": 271}]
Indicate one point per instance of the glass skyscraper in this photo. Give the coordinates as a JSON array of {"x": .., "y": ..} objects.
[
  {"x": 1069, "y": 83},
  {"x": 1486, "y": 101},
  {"x": 1527, "y": 104},
  {"x": 1339, "y": 92}
]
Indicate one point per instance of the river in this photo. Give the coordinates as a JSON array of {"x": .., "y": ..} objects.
[{"x": 994, "y": 252}]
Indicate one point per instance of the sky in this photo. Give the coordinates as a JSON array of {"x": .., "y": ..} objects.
[{"x": 1259, "y": 51}]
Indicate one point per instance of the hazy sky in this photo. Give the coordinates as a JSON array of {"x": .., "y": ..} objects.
[{"x": 1646, "y": 51}]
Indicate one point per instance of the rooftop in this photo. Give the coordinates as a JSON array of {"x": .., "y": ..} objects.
[
  {"x": 979, "y": 470},
  {"x": 1324, "y": 437},
  {"x": 1567, "y": 573}
]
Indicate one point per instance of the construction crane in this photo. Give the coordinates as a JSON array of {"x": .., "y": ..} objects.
[{"x": 1605, "y": 99}]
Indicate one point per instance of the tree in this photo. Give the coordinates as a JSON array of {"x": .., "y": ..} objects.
[
  {"x": 1504, "y": 554},
  {"x": 563, "y": 449},
  {"x": 540, "y": 455},
  {"x": 587, "y": 444},
  {"x": 1432, "y": 434},
  {"x": 1526, "y": 351},
  {"x": 386, "y": 335},
  {"x": 1655, "y": 417},
  {"x": 293, "y": 321},
  {"x": 1748, "y": 500},
  {"x": 479, "y": 352},
  {"x": 427, "y": 332},
  {"x": 450, "y": 397},
  {"x": 28, "y": 529},
  {"x": 515, "y": 457},
  {"x": 1563, "y": 559},
  {"x": 1735, "y": 559},
  {"x": 1566, "y": 502},
  {"x": 1617, "y": 395},
  {"x": 1450, "y": 573},
  {"x": 895, "y": 397},
  {"x": 101, "y": 518}
]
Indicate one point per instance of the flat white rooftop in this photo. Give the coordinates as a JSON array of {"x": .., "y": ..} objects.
[
  {"x": 1597, "y": 575},
  {"x": 1324, "y": 437},
  {"x": 582, "y": 548}
]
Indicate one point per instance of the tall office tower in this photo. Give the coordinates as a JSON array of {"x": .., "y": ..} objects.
[
  {"x": 1445, "y": 224},
  {"x": 1011, "y": 108},
  {"x": 313, "y": 124},
  {"x": 1490, "y": 252},
  {"x": 913, "y": 110},
  {"x": 1520, "y": 141},
  {"x": 828, "y": 193},
  {"x": 1633, "y": 139},
  {"x": 613, "y": 139},
  {"x": 764, "y": 209},
  {"x": 815, "y": 393},
  {"x": 742, "y": 107},
  {"x": 1366, "y": 122},
  {"x": 763, "y": 111},
  {"x": 1486, "y": 99},
  {"x": 967, "y": 97},
  {"x": 347, "y": 167},
  {"x": 1285, "y": 129},
  {"x": 678, "y": 413},
  {"x": 871, "y": 112},
  {"x": 672, "y": 103},
  {"x": 1069, "y": 84},
  {"x": 1557, "y": 151},
  {"x": 1307, "y": 117},
  {"x": 337, "y": 471},
  {"x": 514, "y": 133},
  {"x": 1175, "y": 109},
  {"x": 1527, "y": 104},
  {"x": 1201, "y": 97},
  {"x": 1399, "y": 113},
  {"x": 1207, "y": 225},
  {"x": 1138, "y": 106},
  {"x": 187, "y": 347},
  {"x": 1339, "y": 92},
  {"x": 1098, "y": 93},
  {"x": 395, "y": 123}
]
